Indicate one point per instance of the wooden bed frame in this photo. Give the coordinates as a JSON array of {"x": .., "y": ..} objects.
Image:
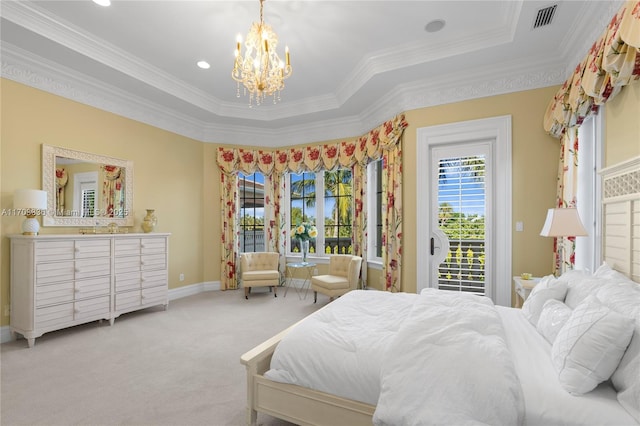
[
  {"x": 302, "y": 406},
  {"x": 293, "y": 403}
]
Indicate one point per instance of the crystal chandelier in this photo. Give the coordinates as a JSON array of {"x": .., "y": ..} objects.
[{"x": 260, "y": 70}]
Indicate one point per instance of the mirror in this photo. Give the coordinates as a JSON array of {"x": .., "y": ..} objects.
[{"x": 86, "y": 189}]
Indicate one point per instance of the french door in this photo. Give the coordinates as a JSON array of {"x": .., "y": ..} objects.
[{"x": 463, "y": 207}]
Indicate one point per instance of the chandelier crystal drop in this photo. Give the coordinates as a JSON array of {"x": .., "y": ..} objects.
[{"x": 260, "y": 69}]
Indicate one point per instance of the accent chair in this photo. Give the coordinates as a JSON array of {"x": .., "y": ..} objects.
[
  {"x": 343, "y": 276},
  {"x": 260, "y": 269}
]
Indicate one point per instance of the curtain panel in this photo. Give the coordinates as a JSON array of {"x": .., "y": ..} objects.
[
  {"x": 612, "y": 63},
  {"x": 381, "y": 142},
  {"x": 112, "y": 200}
]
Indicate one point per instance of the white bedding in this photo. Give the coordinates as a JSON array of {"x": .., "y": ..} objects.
[
  {"x": 546, "y": 402},
  {"x": 326, "y": 351},
  {"x": 449, "y": 364},
  {"x": 329, "y": 352}
]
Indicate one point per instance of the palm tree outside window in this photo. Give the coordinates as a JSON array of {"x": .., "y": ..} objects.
[{"x": 334, "y": 205}]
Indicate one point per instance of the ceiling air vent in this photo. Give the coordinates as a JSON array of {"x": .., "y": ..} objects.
[{"x": 545, "y": 16}]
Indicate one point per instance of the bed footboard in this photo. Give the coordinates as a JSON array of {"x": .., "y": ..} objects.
[{"x": 294, "y": 403}]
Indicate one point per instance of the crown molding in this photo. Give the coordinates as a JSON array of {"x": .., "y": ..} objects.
[
  {"x": 586, "y": 31},
  {"x": 20, "y": 66}
]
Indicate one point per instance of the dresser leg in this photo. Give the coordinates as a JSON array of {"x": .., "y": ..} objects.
[{"x": 31, "y": 341}]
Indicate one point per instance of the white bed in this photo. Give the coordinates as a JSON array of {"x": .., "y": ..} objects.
[{"x": 353, "y": 389}]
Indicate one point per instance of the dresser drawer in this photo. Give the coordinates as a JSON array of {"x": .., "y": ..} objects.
[
  {"x": 92, "y": 248},
  {"x": 54, "y": 293},
  {"x": 153, "y": 261},
  {"x": 151, "y": 245},
  {"x": 127, "y": 300},
  {"x": 89, "y": 268},
  {"x": 47, "y": 251},
  {"x": 154, "y": 295},
  {"x": 127, "y": 247},
  {"x": 154, "y": 278},
  {"x": 54, "y": 316},
  {"x": 47, "y": 273},
  {"x": 93, "y": 287},
  {"x": 127, "y": 264},
  {"x": 92, "y": 308},
  {"x": 127, "y": 282}
]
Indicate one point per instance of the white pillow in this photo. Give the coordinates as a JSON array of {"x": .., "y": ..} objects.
[
  {"x": 590, "y": 345},
  {"x": 624, "y": 298},
  {"x": 548, "y": 288},
  {"x": 605, "y": 271},
  {"x": 579, "y": 288},
  {"x": 552, "y": 318}
]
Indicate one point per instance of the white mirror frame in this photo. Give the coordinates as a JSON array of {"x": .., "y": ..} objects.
[{"x": 49, "y": 154}]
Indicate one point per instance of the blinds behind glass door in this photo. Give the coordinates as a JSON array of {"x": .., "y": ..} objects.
[{"x": 461, "y": 216}]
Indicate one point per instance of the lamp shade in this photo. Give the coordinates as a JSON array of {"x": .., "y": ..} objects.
[
  {"x": 30, "y": 199},
  {"x": 563, "y": 222}
]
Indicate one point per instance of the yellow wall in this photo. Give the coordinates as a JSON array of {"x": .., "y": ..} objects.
[
  {"x": 535, "y": 168},
  {"x": 169, "y": 175},
  {"x": 179, "y": 178},
  {"x": 534, "y": 164}
]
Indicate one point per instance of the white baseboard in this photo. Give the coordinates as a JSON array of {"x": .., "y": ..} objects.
[
  {"x": 174, "y": 293},
  {"x": 5, "y": 334},
  {"x": 190, "y": 290}
]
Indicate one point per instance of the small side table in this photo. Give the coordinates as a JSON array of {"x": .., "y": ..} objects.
[
  {"x": 308, "y": 268},
  {"x": 523, "y": 289}
]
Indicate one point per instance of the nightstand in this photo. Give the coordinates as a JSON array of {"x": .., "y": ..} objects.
[{"x": 523, "y": 289}]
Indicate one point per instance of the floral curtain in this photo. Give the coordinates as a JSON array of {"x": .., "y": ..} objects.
[
  {"x": 383, "y": 140},
  {"x": 567, "y": 188},
  {"x": 612, "y": 63},
  {"x": 228, "y": 161},
  {"x": 62, "y": 177},
  {"x": 112, "y": 197}
]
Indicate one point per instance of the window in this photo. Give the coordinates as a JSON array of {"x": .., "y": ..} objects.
[
  {"x": 461, "y": 195},
  {"x": 334, "y": 206},
  {"x": 374, "y": 209},
  {"x": 251, "y": 196},
  {"x": 88, "y": 202},
  {"x": 589, "y": 201},
  {"x": 85, "y": 189}
]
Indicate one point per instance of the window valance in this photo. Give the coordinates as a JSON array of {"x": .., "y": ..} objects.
[
  {"x": 313, "y": 158},
  {"x": 612, "y": 63}
]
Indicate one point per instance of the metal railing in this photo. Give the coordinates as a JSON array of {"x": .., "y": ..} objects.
[
  {"x": 251, "y": 241},
  {"x": 332, "y": 245},
  {"x": 464, "y": 266}
]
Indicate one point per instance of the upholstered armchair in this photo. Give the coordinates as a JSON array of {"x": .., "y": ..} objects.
[
  {"x": 260, "y": 269},
  {"x": 344, "y": 273}
]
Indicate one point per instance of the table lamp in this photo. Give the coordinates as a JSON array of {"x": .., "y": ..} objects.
[
  {"x": 30, "y": 202},
  {"x": 563, "y": 222}
]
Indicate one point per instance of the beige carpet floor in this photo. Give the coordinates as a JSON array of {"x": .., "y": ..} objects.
[{"x": 154, "y": 367}]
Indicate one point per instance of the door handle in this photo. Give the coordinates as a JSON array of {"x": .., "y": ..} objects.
[{"x": 433, "y": 246}]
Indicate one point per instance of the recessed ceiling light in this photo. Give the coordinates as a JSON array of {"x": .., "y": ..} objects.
[
  {"x": 434, "y": 26},
  {"x": 204, "y": 65},
  {"x": 104, "y": 3}
]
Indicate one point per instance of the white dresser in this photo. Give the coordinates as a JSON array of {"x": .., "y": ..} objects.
[{"x": 59, "y": 281}]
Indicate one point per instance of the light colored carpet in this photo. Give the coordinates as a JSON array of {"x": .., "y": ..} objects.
[{"x": 154, "y": 367}]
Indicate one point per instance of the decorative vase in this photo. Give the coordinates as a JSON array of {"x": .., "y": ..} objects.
[
  {"x": 150, "y": 221},
  {"x": 304, "y": 244}
]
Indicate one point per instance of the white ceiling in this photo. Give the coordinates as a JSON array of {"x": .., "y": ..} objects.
[{"x": 355, "y": 63}]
